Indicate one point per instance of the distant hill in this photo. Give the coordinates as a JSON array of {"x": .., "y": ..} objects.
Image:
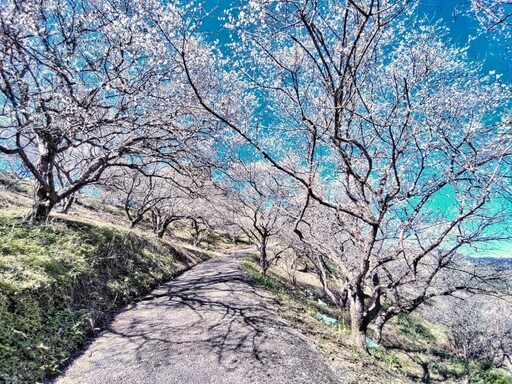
[{"x": 501, "y": 261}]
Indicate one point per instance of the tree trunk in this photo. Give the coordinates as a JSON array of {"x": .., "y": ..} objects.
[
  {"x": 426, "y": 372},
  {"x": 382, "y": 320},
  {"x": 340, "y": 302},
  {"x": 155, "y": 220},
  {"x": 40, "y": 211},
  {"x": 135, "y": 221},
  {"x": 43, "y": 205},
  {"x": 44, "y": 196},
  {"x": 68, "y": 203},
  {"x": 164, "y": 224},
  {"x": 197, "y": 238},
  {"x": 196, "y": 234},
  {"x": 264, "y": 264},
  {"x": 379, "y": 324},
  {"x": 358, "y": 323}
]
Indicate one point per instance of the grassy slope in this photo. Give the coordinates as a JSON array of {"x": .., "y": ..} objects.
[
  {"x": 412, "y": 343},
  {"x": 59, "y": 283}
]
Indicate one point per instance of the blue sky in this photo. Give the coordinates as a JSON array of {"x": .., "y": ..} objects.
[
  {"x": 463, "y": 28},
  {"x": 451, "y": 12}
]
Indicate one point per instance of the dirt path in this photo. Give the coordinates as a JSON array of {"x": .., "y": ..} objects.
[{"x": 206, "y": 326}]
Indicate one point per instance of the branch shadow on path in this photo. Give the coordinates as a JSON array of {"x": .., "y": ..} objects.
[{"x": 207, "y": 326}]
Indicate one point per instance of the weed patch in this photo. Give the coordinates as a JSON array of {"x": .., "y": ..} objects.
[{"x": 266, "y": 281}]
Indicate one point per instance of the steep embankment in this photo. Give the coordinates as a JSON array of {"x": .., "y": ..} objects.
[{"x": 60, "y": 282}]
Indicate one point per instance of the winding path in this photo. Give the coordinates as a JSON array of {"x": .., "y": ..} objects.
[{"x": 207, "y": 326}]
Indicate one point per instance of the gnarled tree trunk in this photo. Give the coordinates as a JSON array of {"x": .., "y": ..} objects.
[
  {"x": 68, "y": 203},
  {"x": 263, "y": 259},
  {"x": 44, "y": 201},
  {"x": 41, "y": 210},
  {"x": 382, "y": 320},
  {"x": 264, "y": 262},
  {"x": 358, "y": 320}
]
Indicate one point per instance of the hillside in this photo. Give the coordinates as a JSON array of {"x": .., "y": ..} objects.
[
  {"x": 415, "y": 349},
  {"x": 60, "y": 283}
]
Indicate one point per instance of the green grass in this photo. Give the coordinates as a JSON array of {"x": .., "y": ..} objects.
[
  {"x": 476, "y": 372},
  {"x": 415, "y": 329},
  {"x": 423, "y": 340},
  {"x": 250, "y": 266},
  {"x": 487, "y": 375},
  {"x": 60, "y": 281}
]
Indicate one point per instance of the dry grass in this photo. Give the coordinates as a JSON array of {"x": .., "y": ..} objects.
[{"x": 411, "y": 343}]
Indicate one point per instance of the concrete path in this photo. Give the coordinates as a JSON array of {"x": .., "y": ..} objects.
[{"x": 206, "y": 326}]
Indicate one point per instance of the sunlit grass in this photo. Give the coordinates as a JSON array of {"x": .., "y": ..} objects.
[{"x": 60, "y": 281}]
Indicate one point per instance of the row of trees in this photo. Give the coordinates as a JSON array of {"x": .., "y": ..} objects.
[
  {"x": 89, "y": 86},
  {"x": 349, "y": 132},
  {"x": 401, "y": 148},
  {"x": 161, "y": 193}
]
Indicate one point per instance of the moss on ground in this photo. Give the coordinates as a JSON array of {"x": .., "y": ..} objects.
[{"x": 59, "y": 282}]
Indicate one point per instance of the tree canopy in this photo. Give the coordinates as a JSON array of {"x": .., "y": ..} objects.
[{"x": 353, "y": 130}]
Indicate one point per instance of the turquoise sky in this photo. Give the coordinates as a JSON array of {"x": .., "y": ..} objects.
[{"x": 462, "y": 27}]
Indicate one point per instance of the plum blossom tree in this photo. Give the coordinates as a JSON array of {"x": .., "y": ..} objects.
[
  {"x": 397, "y": 142},
  {"x": 136, "y": 190},
  {"x": 256, "y": 201},
  {"x": 494, "y": 14},
  {"x": 182, "y": 197},
  {"x": 159, "y": 193},
  {"x": 480, "y": 327},
  {"x": 204, "y": 209},
  {"x": 87, "y": 85},
  {"x": 168, "y": 210}
]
